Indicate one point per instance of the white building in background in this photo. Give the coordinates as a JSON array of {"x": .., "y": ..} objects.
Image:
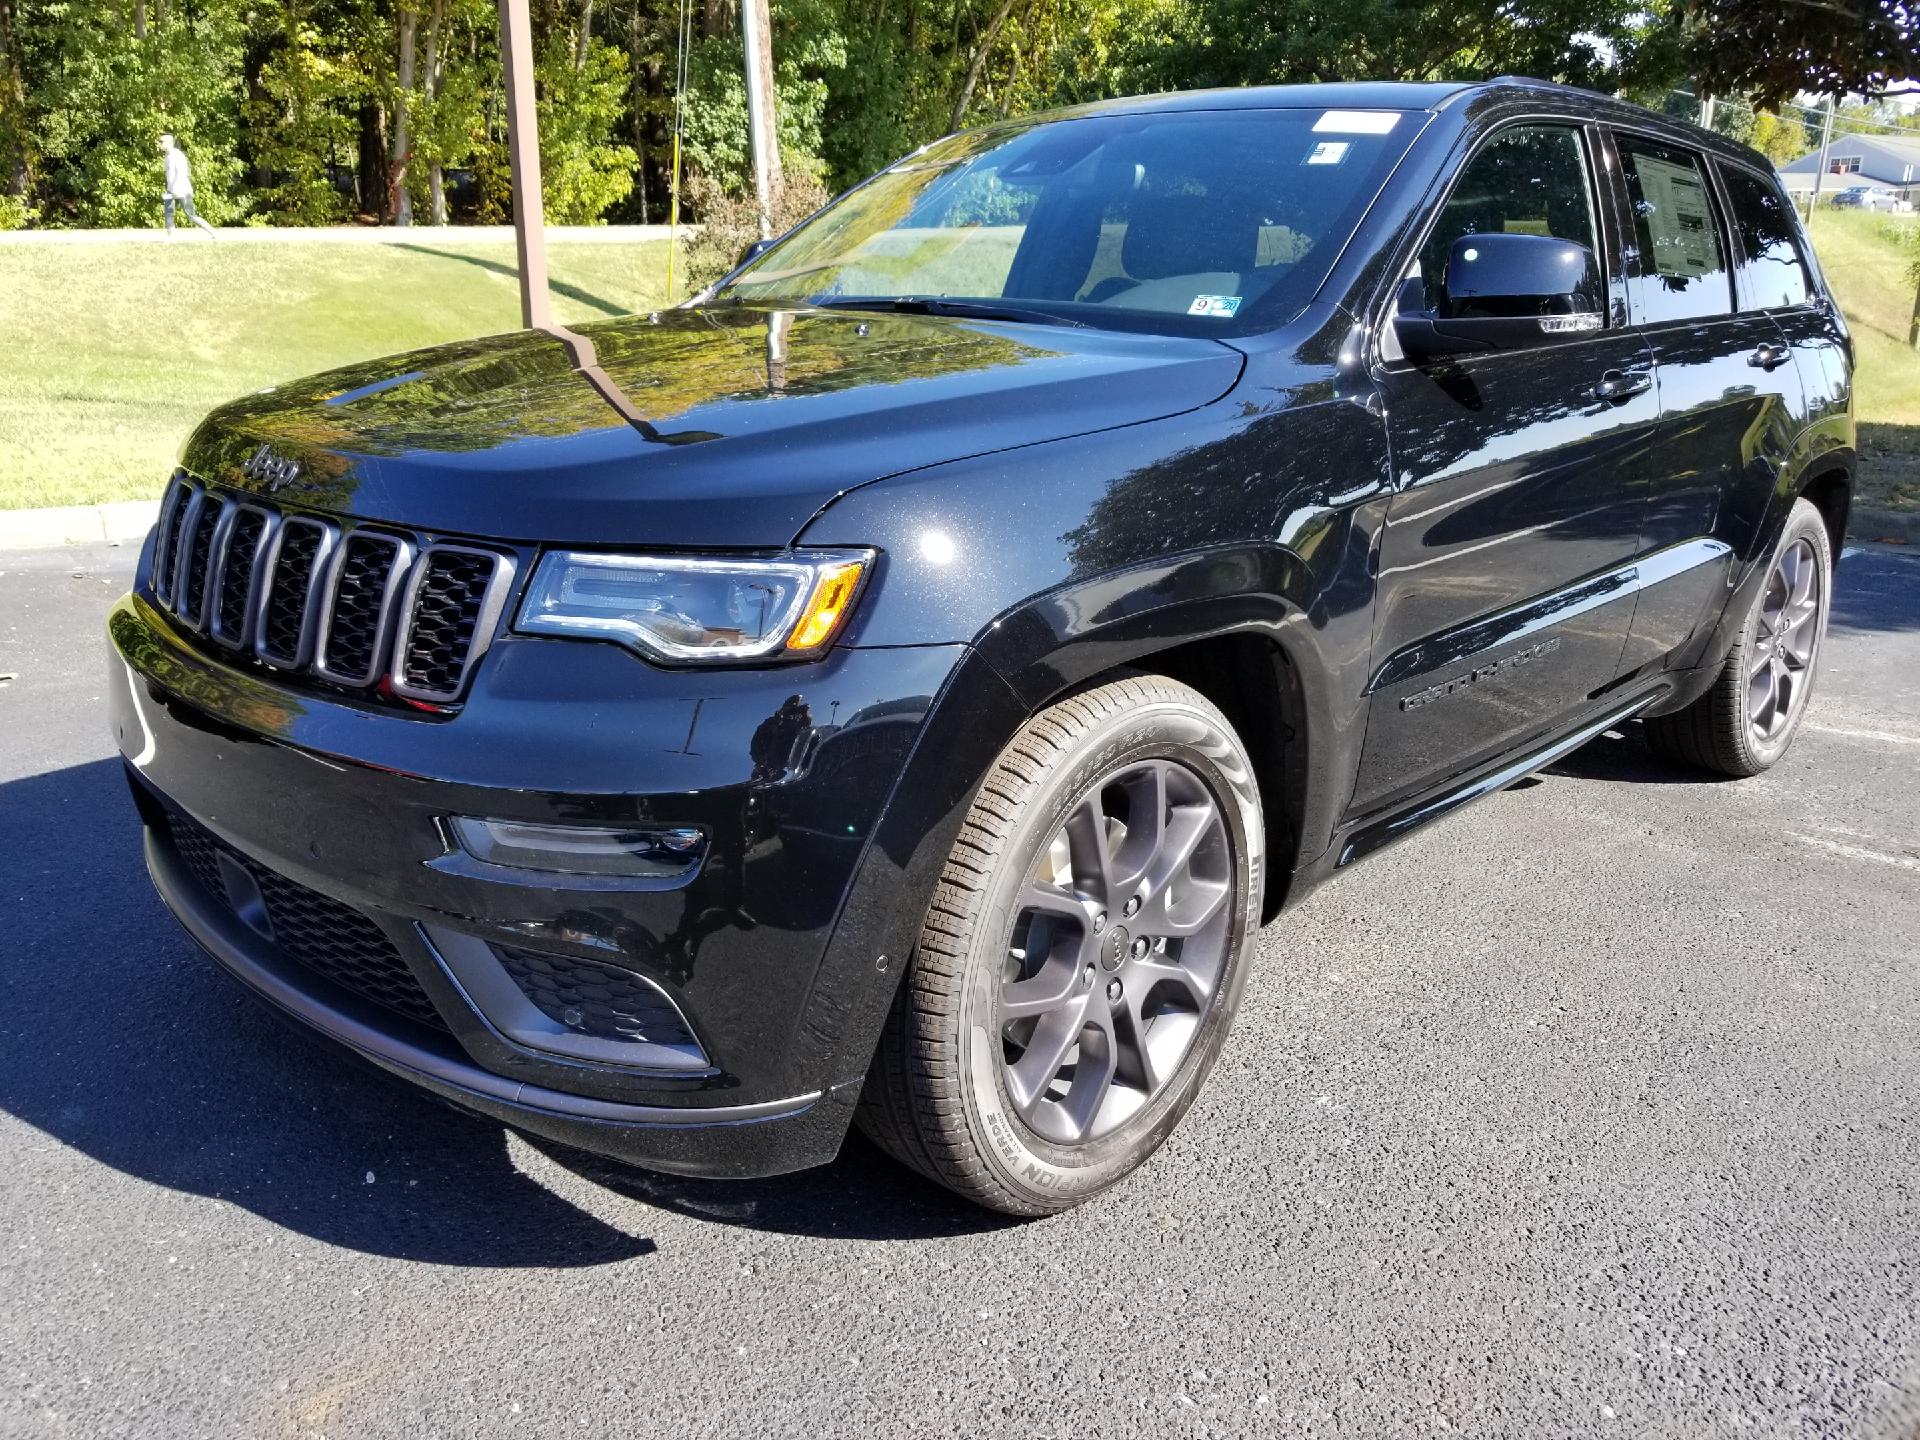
[{"x": 1884, "y": 162}]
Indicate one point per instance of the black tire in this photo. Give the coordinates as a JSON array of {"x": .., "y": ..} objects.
[
  {"x": 1719, "y": 731},
  {"x": 937, "y": 1097}
]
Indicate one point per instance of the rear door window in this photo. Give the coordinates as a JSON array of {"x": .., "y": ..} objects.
[
  {"x": 1772, "y": 275},
  {"x": 1682, "y": 271}
]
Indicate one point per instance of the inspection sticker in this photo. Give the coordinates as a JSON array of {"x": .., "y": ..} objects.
[
  {"x": 1356, "y": 122},
  {"x": 1216, "y": 307},
  {"x": 1328, "y": 152}
]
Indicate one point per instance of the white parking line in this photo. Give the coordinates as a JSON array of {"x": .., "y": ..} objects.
[
  {"x": 1860, "y": 852},
  {"x": 1881, "y": 737}
]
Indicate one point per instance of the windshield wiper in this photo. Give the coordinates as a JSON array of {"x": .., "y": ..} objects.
[{"x": 941, "y": 305}]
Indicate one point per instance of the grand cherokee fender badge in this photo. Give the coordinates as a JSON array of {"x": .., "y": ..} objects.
[
  {"x": 1479, "y": 673},
  {"x": 265, "y": 466}
]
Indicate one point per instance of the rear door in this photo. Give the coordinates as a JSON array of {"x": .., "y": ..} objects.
[
  {"x": 1506, "y": 580},
  {"x": 1776, "y": 275},
  {"x": 1728, "y": 391}
]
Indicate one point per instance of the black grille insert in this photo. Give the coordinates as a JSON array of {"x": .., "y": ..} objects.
[
  {"x": 166, "y": 551},
  {"x": 233, "y": 603},
  {"x": 193, "y": 584},
  {"x": 449, "y": 602},
  {"x": 589, "y": 998},
  {"x": 333, "y": 940},
  {"x": 284, "y": 629},
  {"x": 363, "y": 581}
]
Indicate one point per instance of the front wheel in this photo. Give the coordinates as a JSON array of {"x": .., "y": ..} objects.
[
  {"x": 1083, "y": 955},
  {"x": 1745, "y": 723}
]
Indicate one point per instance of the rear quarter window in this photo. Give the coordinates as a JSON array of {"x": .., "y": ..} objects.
[{"x": 1772, "y": 274}]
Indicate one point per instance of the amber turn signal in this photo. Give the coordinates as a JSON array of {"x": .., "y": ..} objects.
[{"x": 832, "y": 598}]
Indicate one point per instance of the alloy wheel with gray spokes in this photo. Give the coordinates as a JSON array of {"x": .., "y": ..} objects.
[
  {"x": 1780, "y": 665},
  {"x": 1116, "y": 951},
  {"x": 1083, "y": 954},
  {"x": 1744, "y": 720}
]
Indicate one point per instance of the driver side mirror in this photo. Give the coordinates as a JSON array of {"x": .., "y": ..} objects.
[
  {"x": 1503, "y": 292},
  {"x": 753, "y": 252}
]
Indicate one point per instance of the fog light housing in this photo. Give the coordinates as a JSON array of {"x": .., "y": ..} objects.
[
  {"x": 644, "y": 852},
  {"x": 569, "y": 1005}
]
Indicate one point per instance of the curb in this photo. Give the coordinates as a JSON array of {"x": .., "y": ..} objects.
[
  {"x": 116, "y": 523},
  {"x": 1901, "y": 526}
]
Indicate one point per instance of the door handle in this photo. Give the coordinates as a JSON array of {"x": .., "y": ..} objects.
[
  {"x": 1767, "y": 357},
  {"x": 1619, "y": 384}
]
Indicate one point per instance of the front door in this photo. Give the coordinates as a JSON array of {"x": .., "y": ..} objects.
[{"x": 1506, "y": 580}]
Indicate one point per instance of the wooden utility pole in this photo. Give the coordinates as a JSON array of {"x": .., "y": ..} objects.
[
  {"x": 762, "y": 125},
  {"x": 523, "y": 155},
  {"x": 1826, "y": 139}
]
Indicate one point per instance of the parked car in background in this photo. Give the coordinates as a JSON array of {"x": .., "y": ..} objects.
[
  {"x": 895, "y": 688},
  {"x": 1870, "y": 197}
]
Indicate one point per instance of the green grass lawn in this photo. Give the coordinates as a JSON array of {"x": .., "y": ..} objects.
[
  {"x": 1867, "y": 267},
  {"x": 112, "y": 352}
]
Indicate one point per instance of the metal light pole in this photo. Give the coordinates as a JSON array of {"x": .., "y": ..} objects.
[{"x": 523, "y": 155}]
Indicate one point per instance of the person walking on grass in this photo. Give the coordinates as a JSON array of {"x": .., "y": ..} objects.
[{"x": 179, "y": 189}]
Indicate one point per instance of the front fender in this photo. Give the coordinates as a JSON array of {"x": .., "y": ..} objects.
[{"x": 1063, "y": 561}]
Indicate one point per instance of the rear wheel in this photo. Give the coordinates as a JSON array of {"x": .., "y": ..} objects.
[
  {"x": 1745, "y": 723},
  {"x": 1083, "y": 956}
]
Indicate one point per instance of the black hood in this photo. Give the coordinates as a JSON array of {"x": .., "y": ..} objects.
[{"x": 726, "y": 427}]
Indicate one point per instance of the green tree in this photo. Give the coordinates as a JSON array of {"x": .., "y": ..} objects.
[
  {"x": 582, "y": 98},
  {"x": 299, "y": 118},
  {"x": 1772, "y": 51}
]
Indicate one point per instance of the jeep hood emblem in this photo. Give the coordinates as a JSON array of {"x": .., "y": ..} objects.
[{"x": 269, "y": 468}]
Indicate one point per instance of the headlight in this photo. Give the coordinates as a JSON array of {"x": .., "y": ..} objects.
[{"x": 681, "y": 608}]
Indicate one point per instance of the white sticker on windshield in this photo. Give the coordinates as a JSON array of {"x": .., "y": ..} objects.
[
  {"x": 1215, "y": 307},
  {"x": 1356, "y": 122},
  {"x": 1328, "y": 152}
]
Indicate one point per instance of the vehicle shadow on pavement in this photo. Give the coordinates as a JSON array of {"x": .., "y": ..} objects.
[
  {"x": 863, "y": 1195},
  {"x": 121, "y": 1041},
  {"x": 1622, "y": 756}
]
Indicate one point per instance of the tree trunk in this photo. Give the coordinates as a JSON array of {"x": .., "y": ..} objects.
[
  {"x": 13, "y": 100},
  {"x": 1913, "y": 325},
  {"x": 982, "y": 48},
  {"x": 400, "y": 201},
  {"x": 581, "y": 41},
  {"x": 139, "y": 19},
  {"x": 436, "y": 179},
  {"x": 371, "y": 162},
  {"x": 642, "y": 73},
  {"x": 713, "y": 18}
]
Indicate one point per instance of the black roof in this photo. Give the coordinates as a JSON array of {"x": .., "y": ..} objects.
[{"x": 1421, "y": 95}]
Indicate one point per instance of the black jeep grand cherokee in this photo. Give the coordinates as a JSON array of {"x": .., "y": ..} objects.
[{"x": 895, "y": 687}]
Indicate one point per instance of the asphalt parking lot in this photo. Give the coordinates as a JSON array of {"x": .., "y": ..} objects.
[{"x": 1593, "y": 1111}]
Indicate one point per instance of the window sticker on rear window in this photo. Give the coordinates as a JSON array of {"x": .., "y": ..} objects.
[
  {"x": 1357, "y": 122},
  {"x": 1215, "y": 307},
  {"x": 1328, "y": 152}
]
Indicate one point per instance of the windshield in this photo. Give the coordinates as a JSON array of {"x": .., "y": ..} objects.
[{"x": 1208, "y": 222}]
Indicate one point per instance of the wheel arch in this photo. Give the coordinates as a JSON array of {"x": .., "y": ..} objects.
[
  {"x": 1240, "y": 627},
  {"x": 1828, "y": 483}
]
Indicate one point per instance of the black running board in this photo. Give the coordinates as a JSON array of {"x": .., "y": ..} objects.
[{"x": 1375, "y": 835}]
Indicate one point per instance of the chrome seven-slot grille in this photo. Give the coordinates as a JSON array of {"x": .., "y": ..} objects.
[{"x": 356, "y": 607}]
